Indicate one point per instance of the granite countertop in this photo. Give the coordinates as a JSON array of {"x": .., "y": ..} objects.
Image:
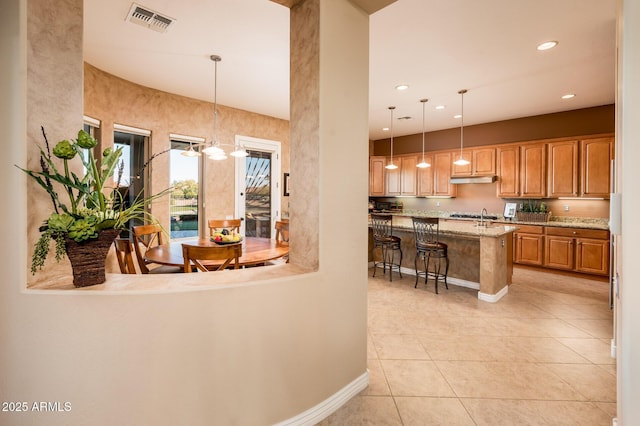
[
  {"x": 467, "y": 228},
  {"x": 557, "y": 221}
]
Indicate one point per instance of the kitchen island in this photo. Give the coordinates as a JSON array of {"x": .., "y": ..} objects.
[{"x": 479, "y": 257}]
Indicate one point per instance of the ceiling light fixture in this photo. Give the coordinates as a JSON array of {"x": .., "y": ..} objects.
[
  {"x": 391, "y": 166},
  {"x": 569, "y": 96},
  {"x": 423, "y": 164},
  {"x": 461, "y": 161},
  {"x": 402, "y": 87},
  {"x": 440, "y": 107},
  {"x": 547, "y": 45},
  {"x": 213, "y": 151},
  {"x": 190, "y": 152}
]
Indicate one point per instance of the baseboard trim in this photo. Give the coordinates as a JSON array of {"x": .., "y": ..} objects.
[
  {"x": 316, "y": 414},
  {"x": 493, "y": 298}
]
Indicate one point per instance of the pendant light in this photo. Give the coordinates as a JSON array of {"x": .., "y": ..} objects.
[
  {"x": 190, "y": 152},
  {"x": 214, "y": 151},
  {"x": 423, "y": 164},
  {"x": 391, "y": 166},
  {"x": 461, "y": 161}
]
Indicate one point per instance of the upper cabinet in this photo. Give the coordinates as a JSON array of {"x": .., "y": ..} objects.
[
  {"x": 377, "y": 176},
  {"x": 442, "y": 169},
  {"x": 580, "y": 168},
  {"x": 482, "y": 162},
  {"x": 595, "y": 167},
  {"x": 521, "y": 170},
  {"x": 425, "y": 178},
  {"x": 404, "y": 179}
]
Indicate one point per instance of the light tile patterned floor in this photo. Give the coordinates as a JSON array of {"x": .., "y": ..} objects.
[{"x": 540, "y": 356}]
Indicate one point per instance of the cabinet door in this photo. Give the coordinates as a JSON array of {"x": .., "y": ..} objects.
[
  {"x": 442, "y": 174},
  {"x": 409, "y": 175},
  {"x": 559, "y": 252},
  {"x": 376, "y": 176},
  {"x": 563, "y": 169},
  {"x": 533, "y": 171},
  {"x": 592, "y": 256},
  {"x": 508, "y": 168},
  {"x": 393, "y": 179},
  {"x": 484, "y": 162},
  {"x": 465, "y": 170},
  {"x": 595, "y": 165},
  {"x": 425, "y": 178},
  {"x": 528, "y": 249}
]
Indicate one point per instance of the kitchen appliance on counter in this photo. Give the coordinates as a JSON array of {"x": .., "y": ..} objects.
[{"x": 472, "y": 216}]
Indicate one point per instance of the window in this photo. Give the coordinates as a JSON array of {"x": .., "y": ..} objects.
[{"x": 184, "y": 171}]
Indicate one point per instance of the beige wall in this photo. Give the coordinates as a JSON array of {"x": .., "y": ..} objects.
[
  {"x": 254, "y": 353},
  {"x": 113, "y": 100}
]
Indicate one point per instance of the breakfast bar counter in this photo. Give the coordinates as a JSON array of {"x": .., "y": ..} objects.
[{"x": 480, "y": 257}]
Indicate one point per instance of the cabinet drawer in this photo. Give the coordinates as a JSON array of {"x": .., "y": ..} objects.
[
  {"x": 598, "y": 234},
  {"x": 530, "y": 229}
]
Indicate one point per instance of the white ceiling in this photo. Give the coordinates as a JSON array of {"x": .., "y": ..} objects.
[{"x": 437, "y": 47}]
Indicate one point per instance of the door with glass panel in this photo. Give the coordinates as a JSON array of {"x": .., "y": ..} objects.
[
  {"x": 184, "y": 177},
  {"x": 258, "y": 187},
  {"x": 130, "y": 177}
]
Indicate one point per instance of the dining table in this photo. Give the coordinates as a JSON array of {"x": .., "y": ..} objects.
[{"x": 255, "y": 251}]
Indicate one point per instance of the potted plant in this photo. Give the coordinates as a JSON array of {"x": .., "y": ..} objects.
[
  {"x": 87, "y": 213},
  {"x": 532, "y": 211}
]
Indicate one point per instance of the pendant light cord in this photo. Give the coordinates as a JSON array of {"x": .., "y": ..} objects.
[
  {"x": 462, "y": 92},
  {"x": 424, "y": 101}
]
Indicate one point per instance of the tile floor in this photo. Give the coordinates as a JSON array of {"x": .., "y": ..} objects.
[{"x": 540, "y": 356}]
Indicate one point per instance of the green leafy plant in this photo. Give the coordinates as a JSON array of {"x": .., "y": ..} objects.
[{"x": 86, "y": 205}]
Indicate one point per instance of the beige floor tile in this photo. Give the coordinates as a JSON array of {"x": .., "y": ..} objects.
[
  {"x": 371, "y": 349},
  {"x": 471, "y": 379},
  {"x": 590, "y": 380},
  {"x": 432, "y": 411},
  {"x": 378, "y": 385},
  {"x": 608, "y": 407},
  {"x": 597, "y": 351},
  {"x": 504, "y": 412},
  {"x": 578, "y": 311},
  {"x": 389, "y": 321},
  {"x": 537, "y": 327},
  {"x": 399, "y": 346},
  {"x": 415, "y": 378},
  {"x": 602, "y": 328},
  {"x": 365, "y": 410}
]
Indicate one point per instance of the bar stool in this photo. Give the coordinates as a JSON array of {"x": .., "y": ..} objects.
[
  {"x": 389, "y": 244},
  {"x": 426, "y": 231}
]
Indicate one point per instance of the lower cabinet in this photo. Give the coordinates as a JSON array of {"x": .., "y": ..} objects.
[
  {"x": 528, "y": 244},
  {"x": 570, "y": 249}
]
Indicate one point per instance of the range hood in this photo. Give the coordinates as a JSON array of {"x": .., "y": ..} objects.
[{"x": 473, "y": 179}]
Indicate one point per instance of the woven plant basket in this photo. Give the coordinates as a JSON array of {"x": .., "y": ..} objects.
[
  {"x": 533, "y": 217},
  {"x": 88, "y": 258}
]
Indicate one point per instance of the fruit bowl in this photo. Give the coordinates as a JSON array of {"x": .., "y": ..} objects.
[{"x": 224, "y": 243}]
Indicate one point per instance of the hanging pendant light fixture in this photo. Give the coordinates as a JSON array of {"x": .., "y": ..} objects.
[
  {"x": 190, "y": 152},
  {"x": 423, "y": 164},
  {"x": 391, "y": 166},
  {"x": 461, "y": 161},
  {"x": 214, "y": 151}
]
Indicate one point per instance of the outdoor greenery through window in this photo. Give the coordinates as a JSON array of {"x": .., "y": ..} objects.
[{"x": 184, "y": 198}]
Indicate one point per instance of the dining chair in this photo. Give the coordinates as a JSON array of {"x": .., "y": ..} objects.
[
  {"x": 124, "y": 254},
  {"x": 228, "y": 224},
  {"x": 389, "y": 244},
  {"x": 144, "y": 237},
  {"x": 282, "y": 232},
  {"x": 428, "y": 246},
  {"x": 196, "y": 254}
]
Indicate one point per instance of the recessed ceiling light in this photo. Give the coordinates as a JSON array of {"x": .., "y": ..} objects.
[
  {"x": 457, "y": 116},
  {"x": 547, "y": 45},
  {"x": 385, "y": 129},
  {"x": 440, "y": 107},
  {"x": 569, "y": 96},
  {"x": 402, "y": 87}
]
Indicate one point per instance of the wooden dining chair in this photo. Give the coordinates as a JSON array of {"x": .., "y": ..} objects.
[
  {"x": 219, "y": 224},
  {"x": 124, "y": 254},
  {"x": 196, "y": 254},
  {"x": 282, "y": 232},
  {"x": 144, "y": 237}
]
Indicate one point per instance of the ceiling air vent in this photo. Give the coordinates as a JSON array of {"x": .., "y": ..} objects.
[{"x": 148, "y": 18}]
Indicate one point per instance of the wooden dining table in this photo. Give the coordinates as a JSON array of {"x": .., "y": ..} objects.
[{"x": 255, "y": 251}]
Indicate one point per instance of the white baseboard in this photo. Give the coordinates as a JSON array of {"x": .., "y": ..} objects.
[
  {"x": 613, "y": 348},
  {"x": 493, "y": 298},
  {"x": 316, "y": 414}
]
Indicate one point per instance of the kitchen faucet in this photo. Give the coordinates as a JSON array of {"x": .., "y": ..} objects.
[{"x": 482, "y": 213}]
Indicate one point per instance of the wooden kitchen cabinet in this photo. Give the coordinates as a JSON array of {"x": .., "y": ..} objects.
[
  {"x": 562, "y": 173},
  {"x": 521, "y": 170},
  {"x": 595, "y": 167},
  {"x": 403, "y": 180},
  {"x": 441, "y": 165},
  {"x": 377, "y": 176},
  {"x": 425, "y": 178},
  {"x": 528, "y": 245},
  {"x": 577, "y": 249},
  {"x": 482, "y": 162}
]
